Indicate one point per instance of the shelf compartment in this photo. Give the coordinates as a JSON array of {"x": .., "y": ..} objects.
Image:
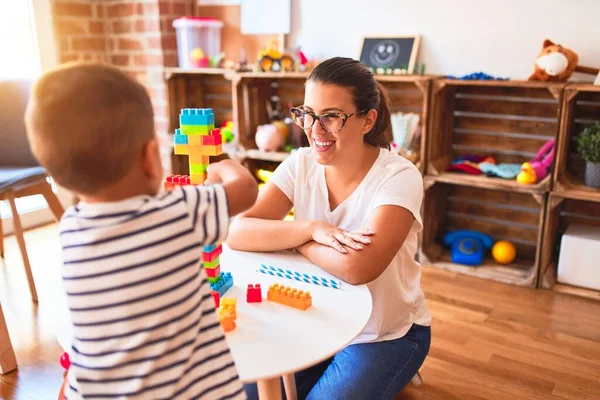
[
  {"x": 581, "y": 107},
  {"x": 509, "y": 120},
  {"x": 561, "y": 212},
  {"x": 504, "y": 215}
]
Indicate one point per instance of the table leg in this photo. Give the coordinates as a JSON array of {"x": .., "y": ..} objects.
[
  {"x": 8, "y": 362},
  {"x": 269, "y": 389},
  {"x": 289, "y": 383}
]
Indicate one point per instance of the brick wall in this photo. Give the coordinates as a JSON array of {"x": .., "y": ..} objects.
[{"x": 135, "y": 35}]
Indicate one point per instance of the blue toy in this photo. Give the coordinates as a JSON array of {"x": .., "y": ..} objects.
[
  {"x": 224, "y": 283},
  {"x": 468, "y": 247},
  {"x": 477, "y": 76}
]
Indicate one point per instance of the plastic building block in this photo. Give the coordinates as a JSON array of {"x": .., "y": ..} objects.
[
  {"x": 213, "y": 274},
  {"x": 181, "y": 149},
  {"x": 224, "y": 284},
  {"x": 197, "y": 169},
  {"x": 181, "y": 139},
  {"x": 254, "y": 293},
  {"x": 226, "y": 320},
  {"x": 229, "y": 304},
  {"x": 198, "y": 179},
  {"x": 212, "y": 264},
  {"x": 195, "y": 140},
  {"x": 289, "y": 296},
  {"x": 216, "y": 298},
  {"x": 208, "y": 256},
  {"x": 210, "y": 247},
  {"x": 199, "y": 159},
  {"x": 172, "y": 181}
]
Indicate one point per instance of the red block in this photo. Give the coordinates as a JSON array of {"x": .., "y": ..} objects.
[
  {"x": 208, "y": 257},
  {"x": 253, "y": 293},
  {"x": 213, "y": 272},
  {"x": 216, "y": 298}
]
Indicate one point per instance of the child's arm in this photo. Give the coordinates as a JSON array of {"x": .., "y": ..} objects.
[{"x": 240, "y": 186}]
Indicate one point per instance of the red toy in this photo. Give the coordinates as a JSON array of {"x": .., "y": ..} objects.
[
  {"x": 253, "y": 293},
  {"x": 216, "y": 298},
  {"x": 65, "y": 362}
]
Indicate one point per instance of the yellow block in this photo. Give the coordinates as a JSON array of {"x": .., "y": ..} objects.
[
  {"x": 181, "y": 149},
  {"x": 195, "y": 140},
  {"x": 199, "y": 159},
  {"x": 197, "y": 179}
]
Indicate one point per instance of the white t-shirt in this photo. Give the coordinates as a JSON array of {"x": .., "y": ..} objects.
[{"x": 398, "y": 300}]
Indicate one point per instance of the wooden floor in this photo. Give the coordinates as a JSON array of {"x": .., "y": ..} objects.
[{"x": 490, "y": 341}]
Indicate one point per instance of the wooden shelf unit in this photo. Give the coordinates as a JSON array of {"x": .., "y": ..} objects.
[
  {"x": 504, "y": 215},
  {"x": 581, "y": 107},
  {"x": 509, "y": 120},
  {"x": 241, "y": 97},
  {"x": 562, "y": 211}
]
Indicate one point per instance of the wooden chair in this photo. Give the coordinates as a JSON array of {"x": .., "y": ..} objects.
[
  {"x": 20, "y": 182},
  {"x": 20, "y": 173}
]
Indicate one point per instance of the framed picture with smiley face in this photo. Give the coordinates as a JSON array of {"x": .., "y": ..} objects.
[{"x": 398, "y": 52}]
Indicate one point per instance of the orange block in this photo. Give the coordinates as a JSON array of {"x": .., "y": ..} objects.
[
  {"x": 226, "y": 320},
  {"x": 289, "y": 296}
]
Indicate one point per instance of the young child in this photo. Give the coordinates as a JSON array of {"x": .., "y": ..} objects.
[{"x": 144, "y": 319}]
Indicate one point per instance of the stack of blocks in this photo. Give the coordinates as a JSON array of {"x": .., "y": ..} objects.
[
  {"x": 227, "y": 313},
  {"x": 198, "y": 139}
]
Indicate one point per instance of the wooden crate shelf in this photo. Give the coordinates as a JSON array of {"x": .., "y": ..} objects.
[
  {"x": 581, "y": 107},
  {"x": 509, "y": 120},
  {"x": 561, "y": 212},
  {"x": 502, "y": 214}
]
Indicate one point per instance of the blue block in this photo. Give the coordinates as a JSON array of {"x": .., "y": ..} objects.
[
  {"x": 180, "y": 139},
  {"x": 209, "y": 248},
  {"x": 224, "y": 283}
]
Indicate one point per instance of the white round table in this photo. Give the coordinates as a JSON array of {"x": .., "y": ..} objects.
[{"x": 272, "y": 340}]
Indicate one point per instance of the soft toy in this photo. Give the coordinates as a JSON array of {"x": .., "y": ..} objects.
[
  {"x": 537, "y": 169},
  {"x": 557, "y": 63},
  {"x": 269, "y": 138}
]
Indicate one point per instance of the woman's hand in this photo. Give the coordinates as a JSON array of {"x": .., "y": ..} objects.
[{"x": 330, "y": 235}]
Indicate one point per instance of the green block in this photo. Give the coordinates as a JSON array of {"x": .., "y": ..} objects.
[
  {"x": 212, "y": 264},
  {"x": 197, "y": 169},
  {"x": 213, "y": 280}
]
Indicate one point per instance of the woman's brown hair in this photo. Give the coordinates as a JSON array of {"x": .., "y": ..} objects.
[{"x": 366, "y": 92}]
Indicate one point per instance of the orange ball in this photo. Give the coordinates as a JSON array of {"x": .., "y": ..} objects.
[{"x": 504, "y": 252}]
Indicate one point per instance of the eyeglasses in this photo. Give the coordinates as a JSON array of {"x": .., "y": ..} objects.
[{"x": 332, "y": 122}]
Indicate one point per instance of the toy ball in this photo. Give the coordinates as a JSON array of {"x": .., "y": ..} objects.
[
  {"x": 65, "y": 362},
  {"x": 504, "y": 252}
]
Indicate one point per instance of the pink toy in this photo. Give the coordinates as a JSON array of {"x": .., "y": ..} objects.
[
  {"x": 269, "y": 138},
  {"x": 538, "y": 168}
]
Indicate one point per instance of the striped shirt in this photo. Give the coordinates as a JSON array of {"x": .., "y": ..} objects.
[{"x": 145, "y": 325}]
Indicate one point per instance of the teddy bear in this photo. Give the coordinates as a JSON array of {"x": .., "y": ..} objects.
[{"x": 557, "y": 63}]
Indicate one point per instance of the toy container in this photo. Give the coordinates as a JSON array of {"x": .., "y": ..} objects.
[{"x": 197, "y": 33}]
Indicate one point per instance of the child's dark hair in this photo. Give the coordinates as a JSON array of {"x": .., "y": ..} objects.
[{"x": 366, "y": 92}]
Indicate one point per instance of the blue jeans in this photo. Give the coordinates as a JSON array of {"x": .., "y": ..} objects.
[{"x": 364, "y": 371}]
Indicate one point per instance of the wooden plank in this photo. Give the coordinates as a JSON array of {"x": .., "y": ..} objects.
[
  {"x": 499, "y": 105},
  {"x": 501, "y": 212},
  {"x": 493, "y": 124},
  {"x": 492, "y": 227},
  {"x": 509, "y": 90},
  {"x": 588, "y": 110},
  {"x": 498, "y": 141},
  {"x": 495, "y": 196},
  {"x": 577, "y": 291}
]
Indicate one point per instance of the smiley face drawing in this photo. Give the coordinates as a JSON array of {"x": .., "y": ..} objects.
[{"x": 384, "y": 53}]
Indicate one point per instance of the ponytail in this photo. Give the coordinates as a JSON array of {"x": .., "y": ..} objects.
[{"x": 380, "y": 135}]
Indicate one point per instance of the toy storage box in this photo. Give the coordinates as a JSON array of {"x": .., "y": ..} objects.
[
  {"x": 197, "y": 32},
  {"x": 578, "y": 262},
  {"x": 504, "y": 215}
]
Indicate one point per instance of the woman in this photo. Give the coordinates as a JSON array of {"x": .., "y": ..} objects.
[{"x": 356, "y": 207}]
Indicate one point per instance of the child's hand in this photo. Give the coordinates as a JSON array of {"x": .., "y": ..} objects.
[{"x": 223, "y": 170}]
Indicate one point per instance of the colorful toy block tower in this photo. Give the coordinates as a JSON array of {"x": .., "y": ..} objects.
[{"x": 198, "y": 139}]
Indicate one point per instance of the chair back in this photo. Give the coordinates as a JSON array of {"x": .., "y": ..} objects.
[{"x": 14, "y": 146}]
